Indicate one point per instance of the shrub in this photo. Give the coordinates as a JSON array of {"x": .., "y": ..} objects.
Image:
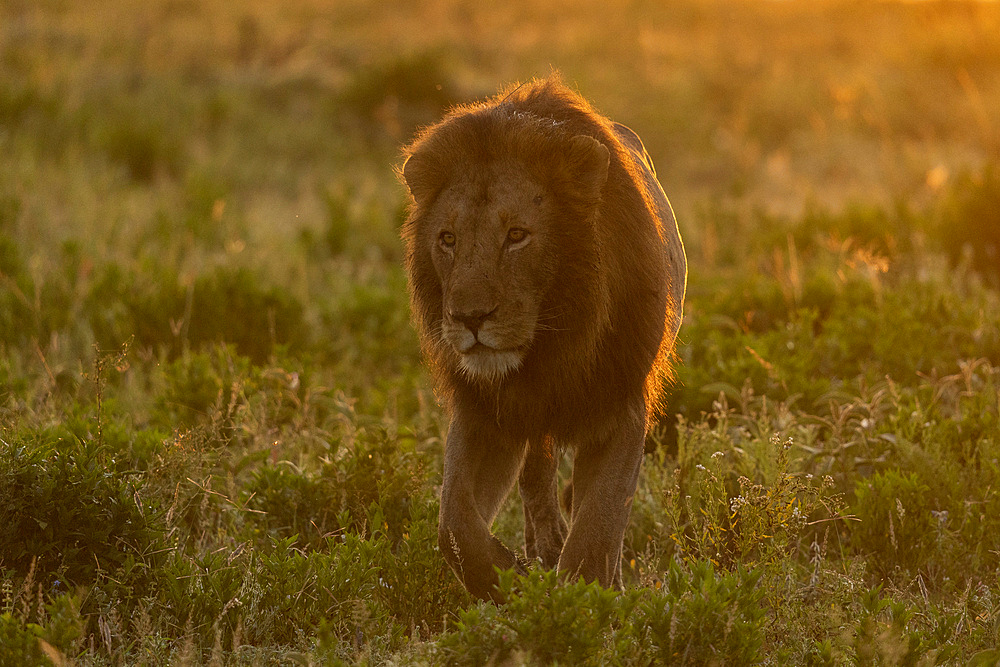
[
  {"x": 16, "y": 289},
  {"x": 694, "y": 617},
  {"x": 64, "y": 511},
  {"x": 401, "y": 93},
  {"x": 883, "y": 634},
  {"x": 271, "y": 593},
  {"x": 371, "y": 470},
  {"x": 896, "y": 523},
  {"x": 204, "y": 387},
  {"x": 19, "y": 643},
  {"x": 231, "y": 306},
  {"x": 228, "y": 305},
  {"x": 136, "y": 131},
  {"x": 544, "y": 621},
  {"x": 701, "y": 618},
  {"x": 970, "y": 222},
  {"x": 712, "y": 509},
  {"x": 370, "y": 327}
]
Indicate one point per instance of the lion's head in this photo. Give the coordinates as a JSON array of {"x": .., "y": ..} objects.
[{"x": 501, "y": 197}]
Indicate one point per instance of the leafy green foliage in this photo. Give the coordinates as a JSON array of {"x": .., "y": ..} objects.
[
  {"x": 402, "y": 92},
  {"x": 542, "y": 619},
  {"x": 703, "y": 618},
  {"x": 66, "y": 511},
  {"x": 139, "y": 139},
  {"x": 232, "y": 306},
  {"x": 373, "y": 470},
  {"x": 696, "y": 616},
  {"x": 20, "y": 645}
]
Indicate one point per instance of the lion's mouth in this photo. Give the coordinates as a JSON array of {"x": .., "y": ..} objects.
[
  {"x": 482, "y": 348},
  {"x": 489, "y": 363},
  {"x": 477, "y": 346}
]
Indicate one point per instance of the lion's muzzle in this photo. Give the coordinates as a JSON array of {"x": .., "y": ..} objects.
[{"x": 478, "y": 336}]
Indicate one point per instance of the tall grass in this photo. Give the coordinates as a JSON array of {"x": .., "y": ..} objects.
[{"x": 217, "y": 442}]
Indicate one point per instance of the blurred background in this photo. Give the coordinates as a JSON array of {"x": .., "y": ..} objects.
[{"x": 276, "y": 106}]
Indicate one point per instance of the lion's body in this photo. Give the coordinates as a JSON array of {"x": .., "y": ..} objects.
[{"x": 547, "y": 278}]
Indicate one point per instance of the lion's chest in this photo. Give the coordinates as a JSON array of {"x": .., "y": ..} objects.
[{"x": 570, "y": 407}]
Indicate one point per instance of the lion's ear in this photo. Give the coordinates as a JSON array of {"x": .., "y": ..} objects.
[
  {"x": 423, "y": 177},
  {"x": 587, "y": 161}
]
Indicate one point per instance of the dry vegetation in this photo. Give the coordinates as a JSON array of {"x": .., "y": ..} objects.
[{"x": 217, "y": 443}]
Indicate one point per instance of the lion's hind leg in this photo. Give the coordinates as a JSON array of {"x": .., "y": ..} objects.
[
  {"x": 544, "y": 527},
  {"x": 605, "y": 475}
]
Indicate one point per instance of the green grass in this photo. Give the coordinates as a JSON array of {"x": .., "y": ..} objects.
[{"x": 218, "y": 444}]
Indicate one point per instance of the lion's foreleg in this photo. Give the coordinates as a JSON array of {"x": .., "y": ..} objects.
[
  {"x": 605, "y": 475},
  {"x": 480, "y": 468}
]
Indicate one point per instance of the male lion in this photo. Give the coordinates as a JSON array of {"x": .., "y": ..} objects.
[{"x": 547, "y": 278}]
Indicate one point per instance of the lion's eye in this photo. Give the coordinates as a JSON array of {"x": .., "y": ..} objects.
[
  {"x": 516, "y": 235},
  {"x": 447, "y": 239}
]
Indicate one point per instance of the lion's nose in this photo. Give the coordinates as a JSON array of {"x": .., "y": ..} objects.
[{"x": 472, "y": 319}]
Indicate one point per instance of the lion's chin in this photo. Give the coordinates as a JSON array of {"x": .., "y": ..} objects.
[{"x": 487, "y": 364}]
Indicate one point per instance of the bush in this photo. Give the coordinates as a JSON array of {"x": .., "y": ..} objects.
[
  {"x": 733, "y": 501},
  {"x": 205, "y": 387},
  {"x": 695, "y": 616},
  {"x": 373, "y": 470},
  {"x": 66, "y": 512},
  {"x": 401, "y": 93},
  {"x": 231, "y": 306},
  {"x": 702, "y": 618},
  {"x": 16, "y": 316},
  {"x": 137, "y": 132},
  {"x": 226, "y": 306},
  {"x": 970, "y": 222},
  {"x": 544, "y": 622},
  {"x": 20, "y": 644}
]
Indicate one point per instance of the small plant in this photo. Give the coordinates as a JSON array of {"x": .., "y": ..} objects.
[
  {"x": 374, "y": 470},
  {"x": 16, "y": 316},
  {"x": 544, "y": 622},
  {"x": 134, "y": 132},
  {"x": 402, "y": 92},
  {"x": 884, "y": 634},
  {"x": 700, "y": 617},
  {"x": 21, "y": 644},
  {"x": 896, "y": 523},
  {"x": 232, "y": 306},
  {"x": 740, "y": 521},
  {"x": 694, "y": 617}
]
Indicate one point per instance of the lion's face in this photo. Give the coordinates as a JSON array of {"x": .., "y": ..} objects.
[
  {"x": 498, "y": 201},
  {"x": 491, "y": 246}
]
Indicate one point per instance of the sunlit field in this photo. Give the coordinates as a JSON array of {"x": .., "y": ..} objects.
[{"x": 218, "y": 444}]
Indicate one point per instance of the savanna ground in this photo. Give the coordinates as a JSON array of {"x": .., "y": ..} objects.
[{"x": 217, "y": 443}]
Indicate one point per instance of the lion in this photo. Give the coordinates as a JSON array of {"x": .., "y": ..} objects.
[{"x": 547, "y": 277}]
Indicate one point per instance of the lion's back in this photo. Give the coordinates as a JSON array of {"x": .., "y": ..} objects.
[{"x": 673, "y": 245}]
